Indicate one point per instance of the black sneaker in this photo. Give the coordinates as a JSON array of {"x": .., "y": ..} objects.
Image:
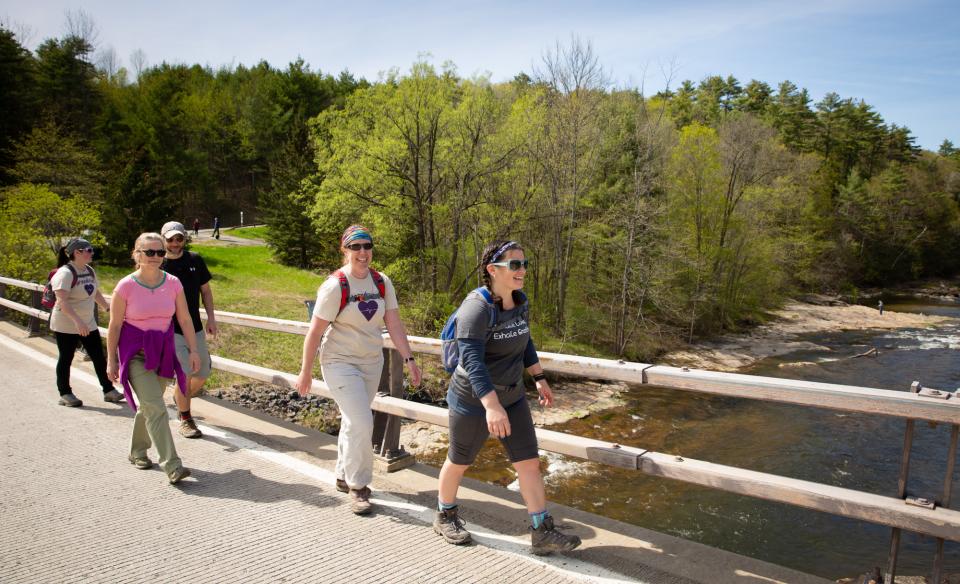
[
  {"x": 448, "y": 524},
  {"x": 546, "y": 539}
]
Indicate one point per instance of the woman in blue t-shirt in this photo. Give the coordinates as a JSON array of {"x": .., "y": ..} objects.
[{"x": 487, "y": 396}]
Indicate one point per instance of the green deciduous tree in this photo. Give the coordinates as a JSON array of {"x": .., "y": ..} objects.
[{"x": 41, "y": 211}]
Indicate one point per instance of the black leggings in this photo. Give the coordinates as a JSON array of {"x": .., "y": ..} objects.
[{"x": 67, "y": 346}]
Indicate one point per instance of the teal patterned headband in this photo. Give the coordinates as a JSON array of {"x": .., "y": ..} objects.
[{"x": 353, "y": 233}]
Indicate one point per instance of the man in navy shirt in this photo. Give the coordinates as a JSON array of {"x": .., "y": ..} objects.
[{"x": 192, "y": 272}]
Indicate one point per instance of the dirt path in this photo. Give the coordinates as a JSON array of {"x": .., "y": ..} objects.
[{"x": 226, "y": 240}]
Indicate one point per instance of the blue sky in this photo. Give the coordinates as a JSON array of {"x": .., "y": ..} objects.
[{"x": 901, "y": 57}]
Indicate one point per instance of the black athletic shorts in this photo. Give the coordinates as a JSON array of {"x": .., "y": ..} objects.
[{"x": 468, "y": 433}]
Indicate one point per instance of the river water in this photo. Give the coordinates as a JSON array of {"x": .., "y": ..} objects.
[{"x": 849, "y": 450}]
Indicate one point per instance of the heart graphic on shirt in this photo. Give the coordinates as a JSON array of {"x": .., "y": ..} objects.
[
  {"x": 368, "y": 308},
  {"x": 89, "y": 288}
]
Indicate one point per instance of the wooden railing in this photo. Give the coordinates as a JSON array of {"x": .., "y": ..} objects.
[{"x": 933, "y": 518}]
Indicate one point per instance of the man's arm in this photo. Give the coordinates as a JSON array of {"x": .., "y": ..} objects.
[{"x": 206, "y": 294}]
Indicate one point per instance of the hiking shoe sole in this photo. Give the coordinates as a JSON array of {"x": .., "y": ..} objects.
[
  {"x": 454, "y": 541},
  {"x": 546, "y": 551}
]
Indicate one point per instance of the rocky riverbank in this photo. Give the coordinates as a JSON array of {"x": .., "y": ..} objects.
[{"x": 816, "y": 314}]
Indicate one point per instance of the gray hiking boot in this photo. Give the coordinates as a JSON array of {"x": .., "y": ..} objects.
[
  {"x": 113, "y": 396},
  {"x": 448, "y": 524},
  {"x": 546, "y": 539},
  {"x": 178, "y": 475},
  {"x": 70, "y": 400},
  {"x": 342, "y": 486},
  {"x": 360, "y": 501}
]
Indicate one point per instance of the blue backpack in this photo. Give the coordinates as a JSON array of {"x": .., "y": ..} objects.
[{"x": 449, "y": 351}]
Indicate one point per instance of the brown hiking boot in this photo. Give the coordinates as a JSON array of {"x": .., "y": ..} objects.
[
  {"x": 360, "y": 501},
  {"x": 546, "y": 539},
  {"x": 188, "y": 429},
  {"x": 342, "y": 486},
  {"x": 448, "y": 524}
]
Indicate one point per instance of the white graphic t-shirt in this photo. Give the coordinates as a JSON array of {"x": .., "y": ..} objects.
[
  {"x": 355, "y": 335},
  {"x": 80, "y": 297}
]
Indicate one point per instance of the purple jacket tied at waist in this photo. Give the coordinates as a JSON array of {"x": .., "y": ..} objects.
[{"x": 159, "y": 354}]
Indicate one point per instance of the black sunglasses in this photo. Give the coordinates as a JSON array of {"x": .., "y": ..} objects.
[
  {"x": 153, "y": 252},
  {"x": 514, "y": 265},
  {"x": 359, "y": 246}
]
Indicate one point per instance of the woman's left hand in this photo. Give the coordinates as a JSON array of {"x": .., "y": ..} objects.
[
  {"x": 194, "y": 362},
  {"x": 415, "y": 375},
  {"x": 546, "y": 394}
]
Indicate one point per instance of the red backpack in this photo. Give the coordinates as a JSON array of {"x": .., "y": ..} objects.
[
  {"x": 49, "y": 298},
  {"x": 345, "y": 287}
]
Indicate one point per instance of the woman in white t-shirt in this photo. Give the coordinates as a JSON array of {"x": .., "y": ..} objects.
[
  {"x": 73, "y": 319},
  {"x": 353, "y": 306}
]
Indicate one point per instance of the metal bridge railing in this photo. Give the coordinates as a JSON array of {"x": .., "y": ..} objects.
[{"x": 927, "y": 516}]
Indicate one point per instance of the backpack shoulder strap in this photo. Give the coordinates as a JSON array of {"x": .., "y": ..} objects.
[
  {"x": 524, "y": 305},
  {"x": 73, "y": 271},
  {"x": 381, "y": 285},
  {"x": 491, "y": 305},
  {"x": 344, "y": 288}
]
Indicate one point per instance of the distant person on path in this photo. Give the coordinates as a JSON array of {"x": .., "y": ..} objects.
[
  {"x": 216, "y": 228},
  {"x": 73, "y": 319},
  {"x": 487, "y": 396},
  {"x": 880, "y": 306},
  {"x": 352, "y": 307},
  {"x": 193, "y": 274},
  {"x": 141, "y": 352},
  {"x": 196, "y": 227}
]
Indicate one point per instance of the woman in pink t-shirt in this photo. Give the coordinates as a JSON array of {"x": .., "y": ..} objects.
[{"x": 141, "y": 352}]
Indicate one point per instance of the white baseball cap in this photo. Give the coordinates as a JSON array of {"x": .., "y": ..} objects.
[{"x": 171, "y": 228}]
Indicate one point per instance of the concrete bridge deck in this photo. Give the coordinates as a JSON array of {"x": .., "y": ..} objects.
[{"x": 261, "y": 507}]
